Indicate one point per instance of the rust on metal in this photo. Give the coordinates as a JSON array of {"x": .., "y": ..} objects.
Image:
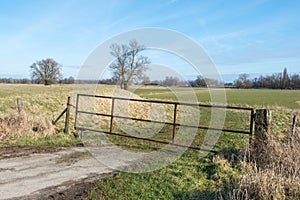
[
  {"x": 169, "y": 102},
  {"x": 112, "y": 115},
  {"x": 251, "y": 122},
  {"x": 174, "y": 123},
  {"x": 146, "y": 139},
  {"x": 76, "y": 111}
]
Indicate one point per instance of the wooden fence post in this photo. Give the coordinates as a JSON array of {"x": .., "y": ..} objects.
[
  {"x": 294, "y": 125},
  {"x": 262, "y": 122},
  {"x": 19, "y": 105},
  {"x": 67, "y": 116},
  {"x": 262, "y": 125}
]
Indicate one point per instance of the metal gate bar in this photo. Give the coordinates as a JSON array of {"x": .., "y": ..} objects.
[{"x": 174, "y": 123}]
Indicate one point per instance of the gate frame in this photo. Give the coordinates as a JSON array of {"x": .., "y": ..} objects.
[{"x": 174, "y": 123}]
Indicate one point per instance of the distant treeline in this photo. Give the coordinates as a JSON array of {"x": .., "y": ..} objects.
[
  {"x": 15, "y": 81},
  {"x": 69, "y": 80},
  {"x": 275, "y": 81},
  {"x": 175, "y": 81},
  {"x": 201, "y": 81},
  {"x": 167, "y": 82}
]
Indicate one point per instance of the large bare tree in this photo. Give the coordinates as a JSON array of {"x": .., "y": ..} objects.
[
  {"x": 46, "y": 71},
  {"x": 129, "y": 65}
]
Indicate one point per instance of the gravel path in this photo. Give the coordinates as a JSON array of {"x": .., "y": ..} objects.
[{"x": 62, "y": 174}]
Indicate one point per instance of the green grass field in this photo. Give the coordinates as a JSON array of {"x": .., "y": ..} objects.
[
  {"x": 260, "y": 98},
  {"x": 189, "y": 177},
  {"x": 54, "y": 97}
]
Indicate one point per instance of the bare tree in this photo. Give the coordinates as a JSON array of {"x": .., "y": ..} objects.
[
  {"x": 129, "y": 65},
  {"x": 171, "y": 81},
  {"x": 243, "y": 81},
  {"x": 46, "y": 71},
  {"x": 285, "y": 79}
]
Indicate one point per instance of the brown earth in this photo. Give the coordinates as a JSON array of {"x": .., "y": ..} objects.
[{"x": 17, "y": 151}]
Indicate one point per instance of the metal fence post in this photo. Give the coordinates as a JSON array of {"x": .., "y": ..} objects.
[
  {"x": 174, "y": 122},
  {"x": 76, "y": 111},
  {"x": 112, "y": 114},
  {"x": 66, "y": 130},
  {"x": 252, "y": 118}
]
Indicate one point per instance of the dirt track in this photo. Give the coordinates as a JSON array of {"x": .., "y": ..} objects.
[{"x": 41, "y": 173}]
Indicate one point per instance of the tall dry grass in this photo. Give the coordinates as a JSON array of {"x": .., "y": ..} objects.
[
  {"x": 271, "y": 169},
  {"x": 20, "y": 123}
]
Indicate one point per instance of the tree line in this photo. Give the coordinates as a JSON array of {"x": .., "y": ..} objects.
[
  {"x": 69, "y": 80},
  {"x": 275, "y": 81}
]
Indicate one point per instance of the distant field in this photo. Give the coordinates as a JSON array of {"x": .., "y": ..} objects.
[
  {"x": 56, "y": 95},
  {"x": 252, "y": 97}
]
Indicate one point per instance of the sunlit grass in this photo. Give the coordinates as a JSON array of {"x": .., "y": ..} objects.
[{"x": 249, "y": 97}]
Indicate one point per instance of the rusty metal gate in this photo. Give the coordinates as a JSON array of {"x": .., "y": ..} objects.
[{"x": 174, "y": 123}]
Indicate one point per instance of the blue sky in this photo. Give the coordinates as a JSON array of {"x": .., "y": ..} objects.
[{"x": 255, "y": 37}]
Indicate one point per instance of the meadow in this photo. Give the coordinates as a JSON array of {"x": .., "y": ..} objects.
[
  {"x": 189, "y": 177},
  {"x": 259, "y": 98}
]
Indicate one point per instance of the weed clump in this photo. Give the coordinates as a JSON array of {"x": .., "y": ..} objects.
[
  {"x": 271, "y": 169},
  {"x": 19, "y": 123}
]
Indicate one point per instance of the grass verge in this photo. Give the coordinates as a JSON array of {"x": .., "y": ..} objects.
[{"x": 187, "y": 178}]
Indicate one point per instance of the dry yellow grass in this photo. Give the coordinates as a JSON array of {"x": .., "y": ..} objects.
[
  {"x": 20, "y": 123},
  {"x": 271, "y": 169}
]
